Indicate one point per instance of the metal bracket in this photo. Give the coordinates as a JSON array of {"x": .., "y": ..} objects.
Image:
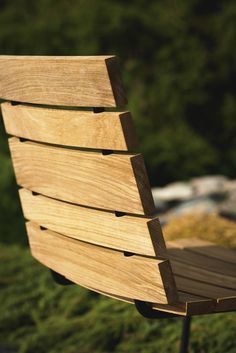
[
  {"x": 98, "y": 109},
  {"x": 59, "y": 279},
  {"x": 146, "y": 311}
]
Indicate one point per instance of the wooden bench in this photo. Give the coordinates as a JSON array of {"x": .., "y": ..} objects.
[{"x": 86, "y": 196}]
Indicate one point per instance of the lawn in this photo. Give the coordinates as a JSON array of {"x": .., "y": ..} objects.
[{"x": 39, "y": 316}]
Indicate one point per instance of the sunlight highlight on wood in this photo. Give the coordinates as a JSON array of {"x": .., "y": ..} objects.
[
  {"x": 77, "y": 128},
  {"x": 102, "y": 268},
  {"x": 115, "y": 182},
  {"x": 85, "y": 81},
  {"x": 137, "y": 235}
]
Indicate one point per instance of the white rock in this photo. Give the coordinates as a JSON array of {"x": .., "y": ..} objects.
[
  {"x": 210, "y": 184},
  {"x": 198, "y": 205},
  {"x": 230, "y": 185},
  {"x": 172, "y": 192}
]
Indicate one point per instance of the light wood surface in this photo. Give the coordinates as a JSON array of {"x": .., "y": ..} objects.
[
  {"x": 107, "y": 130},
  {"x": 78, "y": 197},
  {"x": 103, "y": 269},
  {"x": 139, "y": 235},
  {"x": 85, "y": 81},
  {"x": 115, "y": 182}
]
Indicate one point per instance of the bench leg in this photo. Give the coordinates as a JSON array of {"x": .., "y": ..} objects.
[{"x": 185, "y": 334}]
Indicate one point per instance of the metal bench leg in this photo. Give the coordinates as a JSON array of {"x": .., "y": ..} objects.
[{"x": 185, "y": 334}]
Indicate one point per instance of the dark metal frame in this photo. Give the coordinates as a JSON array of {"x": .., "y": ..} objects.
[{"x": 144, "y": 309}]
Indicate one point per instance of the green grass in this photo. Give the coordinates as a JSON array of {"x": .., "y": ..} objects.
[{"x": 38, "y": 316}]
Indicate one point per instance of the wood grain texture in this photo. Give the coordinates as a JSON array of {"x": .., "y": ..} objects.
[
  {"x": 85, "y": 178},
  {"x": 207, "y": 248},
  {"x": 92, "y": 81},
  {"x": 192, "y": 286},
  {"x": 139, "y": 235},
  {"x": 107, "y": 130},
  {"x": 134, "y": 277},
  {"x": 192, "y": 258},
  {"x": 209, "y": 275},
  {"x": 188, "y": 304},
  {"x": 204, "y": 269}
]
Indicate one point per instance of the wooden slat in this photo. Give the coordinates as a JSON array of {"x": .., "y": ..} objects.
[
  {"x": 104, "y": 269},
  {"x": 205, "y": 269},
  {"x": 188, "y": 304},
  {"x": 198, "y": 273},
  {"x": 204, "y": 275},
  {"x": 115, "y": 182},
  {"x": 208, "y": 249},
  {"x": 138, "y": 235},
  {"x": 202, "y": 289},
  {"x": 92, "y": 81},
  {"x": 192, "y": 258},
  {"x": 226, "y": 304},
  {"x": 107, "y": 130}
]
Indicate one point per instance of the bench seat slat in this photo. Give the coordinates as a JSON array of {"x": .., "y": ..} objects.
[
  {"x": 204, "y": 275},
  {"x": 106, "y": 130},
  {"x": 139, "y": 235},
  {"x": 207, "y": 248},
  {"x": 104, "y": 269},
  {"x": 115, "y": 182},
  {"x": 191, "y": 257}
]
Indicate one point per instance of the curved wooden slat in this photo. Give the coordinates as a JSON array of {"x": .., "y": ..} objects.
[
  {"x": 86, "y": 178},
  {"x": 107, "y": 130},
  {"x": 139, "y": 235},
  {"x": 92, "y": 81},
  {"x": 104, "y": 269}
]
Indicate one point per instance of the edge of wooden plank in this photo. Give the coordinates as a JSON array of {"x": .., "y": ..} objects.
[
  {"x": 226, "y": 304},
  {"x": 188, "y": 305},
  {"x": 143, "y": 184},
  {"x": 141, "y": 263},
  {"x": 112, "y": 96},
  {"x": 127, "y": 194},
  {"x": 141, "y": 235},
  {"x": 128, "y": 128},
  {"x": 73, "y": 128},
  {"x": 116, "y": 82}
]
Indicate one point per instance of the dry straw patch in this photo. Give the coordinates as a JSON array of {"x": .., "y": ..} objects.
[{"x": 209, "y": 227}]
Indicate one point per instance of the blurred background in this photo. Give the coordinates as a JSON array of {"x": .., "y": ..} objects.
[{"x": 178, "y": 61}]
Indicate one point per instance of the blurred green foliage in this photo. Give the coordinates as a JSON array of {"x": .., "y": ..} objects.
[
  {"x": 38, "y": 316},
  {"x": 178, "y": 60}
]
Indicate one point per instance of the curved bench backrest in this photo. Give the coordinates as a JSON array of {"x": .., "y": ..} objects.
[{"x": 84, "y": 191}]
